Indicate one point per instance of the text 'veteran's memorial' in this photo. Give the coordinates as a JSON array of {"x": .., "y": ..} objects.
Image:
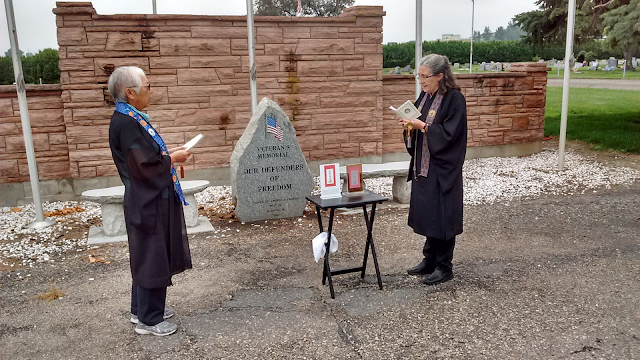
[{"x": 269, "y": 173}]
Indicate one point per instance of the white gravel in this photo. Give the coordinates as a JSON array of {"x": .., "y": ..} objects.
[{"x": 486, "y": 181}]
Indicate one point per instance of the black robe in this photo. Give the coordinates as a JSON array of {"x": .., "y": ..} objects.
[
  {"x": 158, "y": 244},
  {"x": 436, "y": 201}
]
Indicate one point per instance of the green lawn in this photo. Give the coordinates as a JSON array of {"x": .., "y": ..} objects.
[{"x": 608, "y": 119}]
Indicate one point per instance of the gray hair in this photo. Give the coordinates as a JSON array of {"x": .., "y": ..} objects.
[
  {"x": 122, "y": 78},
  {"x": 439, "y": 64}
]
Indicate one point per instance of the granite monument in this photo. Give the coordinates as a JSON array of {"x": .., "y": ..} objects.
[{"x": 269, "y": 174}]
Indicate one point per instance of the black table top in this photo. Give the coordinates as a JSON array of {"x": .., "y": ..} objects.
[{"x": 368, "y": 197}]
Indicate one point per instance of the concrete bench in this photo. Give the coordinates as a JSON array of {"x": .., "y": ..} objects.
[
  {"x": 113, "y": 225},
  {"x": 399, "y": 170}
]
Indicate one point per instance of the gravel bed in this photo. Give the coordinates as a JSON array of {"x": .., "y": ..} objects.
[{"x": 486, "y": 181}]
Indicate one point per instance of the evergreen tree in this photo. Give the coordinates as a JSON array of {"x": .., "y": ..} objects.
[
  {"x": 622, "y": 27},
  {"x": 487, "y": 34}
]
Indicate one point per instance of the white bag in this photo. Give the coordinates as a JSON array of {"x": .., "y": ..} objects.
[{"x": 319, "y": 247}]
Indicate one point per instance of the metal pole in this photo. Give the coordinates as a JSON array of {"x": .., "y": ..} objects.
[
  {"x": 418, "y": 43},
  {"x": 253, "y": 73},
  {"x": 565, "y": 86},
  {"x": 155, "y": 8},
  {"x": 473, "y": 8},
  {"x": 624, "y": 68},
  {"x": 24, "y": 117}
]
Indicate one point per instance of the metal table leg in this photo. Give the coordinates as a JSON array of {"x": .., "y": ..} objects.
[
  {"x": 327, "y": 268},
  {"x": 370, "y": 242}
]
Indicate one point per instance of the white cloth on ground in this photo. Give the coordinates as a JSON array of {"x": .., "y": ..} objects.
[{"x": 319, "y": 247}]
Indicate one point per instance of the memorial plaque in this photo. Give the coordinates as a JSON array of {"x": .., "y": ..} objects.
[{"x": 269, "y": 174}]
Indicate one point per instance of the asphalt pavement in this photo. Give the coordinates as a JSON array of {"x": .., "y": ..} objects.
[
  {"x": 619, "y": 84},
  {"x": 550, "y": 277}
]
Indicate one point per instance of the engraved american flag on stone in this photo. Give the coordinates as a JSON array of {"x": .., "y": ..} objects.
[{"x": 273, "y": 128}]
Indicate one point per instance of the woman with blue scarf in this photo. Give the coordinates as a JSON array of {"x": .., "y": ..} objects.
[{"x": 158, "y": 244}]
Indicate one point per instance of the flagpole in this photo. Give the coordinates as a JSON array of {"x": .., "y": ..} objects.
[
  {"x": 473, "y": 9},
  {"x": 418, "y": 44},
  {"x": 565, "y": 84},
  {"x": 24, "y": 117},
  {"x": 253, "y": 73}
]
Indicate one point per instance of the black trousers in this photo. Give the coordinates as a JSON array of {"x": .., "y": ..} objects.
[
  {"x": 148, "y": 304},
  {"x": 439, "y": 252}
]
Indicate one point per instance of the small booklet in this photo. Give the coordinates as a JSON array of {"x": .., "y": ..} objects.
[
  {"x": 407, "y": 110},
  {"x": 191, "y": 143}
]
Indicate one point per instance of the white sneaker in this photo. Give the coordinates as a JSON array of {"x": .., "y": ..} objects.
[
  {"x": 167, "y": 314},
  {"x": 162, "y": 329}
]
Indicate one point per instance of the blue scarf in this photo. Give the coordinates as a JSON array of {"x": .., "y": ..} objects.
[{"x": 143, "y": 120}]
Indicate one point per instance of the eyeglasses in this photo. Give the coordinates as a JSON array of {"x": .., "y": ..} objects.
[
  {"x": 148, "y": 86},
  {"x": 422, "y": 77}
]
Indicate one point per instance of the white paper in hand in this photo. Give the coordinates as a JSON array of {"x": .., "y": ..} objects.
[
  {"x": 408, "y": 110},
  {"x": 192, "y": 142}
]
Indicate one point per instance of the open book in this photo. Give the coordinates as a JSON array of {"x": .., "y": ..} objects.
[
  {"x": 192, "y": 142},
  {"x": 407, "y": 110}
]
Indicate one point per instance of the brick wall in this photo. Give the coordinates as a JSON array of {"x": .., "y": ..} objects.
[
  {"x": 502, "y": 108},
  {"x": 326, "y": 73},
  {"x": 48, "y": 130}
]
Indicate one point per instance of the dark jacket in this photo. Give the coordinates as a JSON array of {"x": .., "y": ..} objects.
[
  {"x": 436, "y": 201},
  {"x": 158, "y": 244}
]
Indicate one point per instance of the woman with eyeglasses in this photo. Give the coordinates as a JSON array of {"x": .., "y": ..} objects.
[
  {"x": 437, "y": 143},
  {"x": 158, "y": 244}
]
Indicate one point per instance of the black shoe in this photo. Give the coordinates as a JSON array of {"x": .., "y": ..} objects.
[
  {"x": 438, "y": 276},
  {"x": 422, "y": 269}
]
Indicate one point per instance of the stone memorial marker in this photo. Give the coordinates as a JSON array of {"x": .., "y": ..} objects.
[
  {"x": 269, "y": 173},
  {"x": 396, "y": 70},
  {"x": 406, "y": 68},
  {"x": 467, "y": 65},
  {"x": 456, "y": 65},
  {"x": 612, "y": 62},
  {"x": 499, "y": 67}
]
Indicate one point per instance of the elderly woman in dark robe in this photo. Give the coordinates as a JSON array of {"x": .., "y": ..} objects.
[
  {"x": 437, "y": 143},
  {"x": 158, "y": 244}
]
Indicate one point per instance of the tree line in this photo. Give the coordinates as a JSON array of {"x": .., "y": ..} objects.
[
  {"x": 617, "y": 21},
  {"x": 35, "y": 67},
  {"x": 499, "y": 51}
]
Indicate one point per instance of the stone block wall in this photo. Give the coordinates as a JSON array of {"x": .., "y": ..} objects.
[
  {"x": 47, "y": 128},
  {"x": 502, "y": 108},
  {"x": 326, "y": 73}
]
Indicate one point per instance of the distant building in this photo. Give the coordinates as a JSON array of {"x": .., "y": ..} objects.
[{"x": 451, "y": 37}]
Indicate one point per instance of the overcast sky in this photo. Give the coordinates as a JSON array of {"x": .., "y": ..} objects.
[{"x": 36, "y": 24}]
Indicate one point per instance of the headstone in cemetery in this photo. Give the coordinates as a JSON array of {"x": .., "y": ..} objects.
[
  {"x": 269, "y": 173},
  {"x": 634, "y": 62},
  {"x": 553, "y": 62},
  {"x": 483, "y": 66},
  {"x": 612, "y": 64},
  {"x": 396, "y": 70},
  {"x": 541, "y": 60},
  {"x": 456, "y": 65},
  {"x": 475, "y": 63},
  {"x": 406, "y": 68},
  {"x": 499, "y": 67},
  {"x": 466, "y": 66},
  {"x": 594, "y": 65}
]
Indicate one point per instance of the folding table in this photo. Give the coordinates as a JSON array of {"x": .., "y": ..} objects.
[{"x": 367, "y": 198}]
